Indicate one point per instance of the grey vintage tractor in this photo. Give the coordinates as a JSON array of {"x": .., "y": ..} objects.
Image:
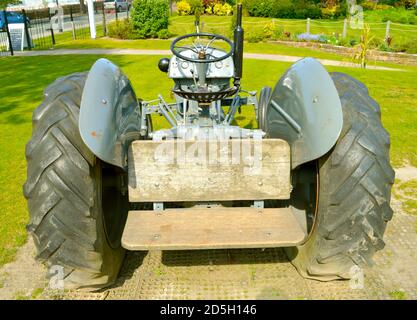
[{"x": 314, "y": 177}]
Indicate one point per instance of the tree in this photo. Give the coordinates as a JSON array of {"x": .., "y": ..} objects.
[
  {"x": 83, "y": 7},
  {"x": 5, "y": 3}
]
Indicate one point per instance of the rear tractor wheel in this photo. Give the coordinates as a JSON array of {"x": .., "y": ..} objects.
[
  {"x": 77, "y": 204},
  {"x": 354, "y": 191}
]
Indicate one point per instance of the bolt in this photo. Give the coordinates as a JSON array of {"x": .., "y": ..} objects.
[
  {"x": 156, "y": 184},
  {"x": 315, "y": 99},
  {"x": 156, "y": 236},
  {"x": 104, "y": 101},
  {"x": 260, "y": 183}
]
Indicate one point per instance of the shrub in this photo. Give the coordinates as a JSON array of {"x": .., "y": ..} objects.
[
  {"x": 334, "y": 12},
  {"x": 409, "y": 47},
  {"x": 164, "y": 34},
  {"x": 368, "y": 5},
  {"x": 255, "y": 36},
  {"x": 227, "y": 9},
  {"x": 269, "y": 30},
  {"x": 282, "y": 9},
  {"x": 217, "y": 8},
  {"x": 222, "y": 9},
  {"x": 382, "y": 7},
  {"x": 197, "y": 7},
  {"x": 149, "y": 17},
  {"x": 120, "y": 29},
  {"x": 408, "y": 4},
  {"x": 184, "y": 8}
]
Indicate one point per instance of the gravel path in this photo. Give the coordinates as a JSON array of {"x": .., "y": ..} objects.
[
  {"x": 256, "y": 56},
  {"x": 235, "y": 274}
]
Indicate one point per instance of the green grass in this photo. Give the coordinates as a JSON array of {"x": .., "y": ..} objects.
[
  {"x": 398, "y": 15},
  {"x": 157, "y": 44},
  {"x": 398, "y": 295},
  {"x": 19, "y": 96}
]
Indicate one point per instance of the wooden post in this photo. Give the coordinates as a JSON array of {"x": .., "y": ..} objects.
[
  {"x": 115, "y": 10},
  {"x": 344, "y": 34},
  {"x": 387, "y": 30},
  {"x": 308, "y": 25}
]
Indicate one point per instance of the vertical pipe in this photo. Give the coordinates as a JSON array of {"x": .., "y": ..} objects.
[
  {"x": 238, "y": 46},
  {"x": 8, "y": 33},
  {"x": 26, "y": 30},
  {"x": 308, "y": 26},
  {"x": 91, "y": 18}
]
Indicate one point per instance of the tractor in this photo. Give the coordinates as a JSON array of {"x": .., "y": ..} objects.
[{"x": 313, "y": 177}]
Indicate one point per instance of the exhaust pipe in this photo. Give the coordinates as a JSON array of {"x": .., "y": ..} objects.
[{"x": 238, "y": 47}]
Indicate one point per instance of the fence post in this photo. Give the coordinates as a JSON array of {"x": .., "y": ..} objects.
[
  {"x": 104, "y": 20},
  {"x": 127, "y": 11},
  {"x": 308, "y": 25},
  {"x": 387, "y": 30},
  {"x": 115, "y": 9},
  {"x": 52, "y": 35},
  {"x": 344, "y": 34},
  {"x": 8, "y": 33},
  {"x": 28, "y": 40},
  {"x": 74, "y": 34}
]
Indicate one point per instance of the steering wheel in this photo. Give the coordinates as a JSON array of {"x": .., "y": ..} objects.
[{"x": 199, "y": 48}]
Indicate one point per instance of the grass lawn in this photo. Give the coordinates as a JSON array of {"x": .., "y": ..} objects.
[
  {"x": 158, "y": 44},
  {"x": 184, "y": 24},
  {"x": 28, "y": 76}
]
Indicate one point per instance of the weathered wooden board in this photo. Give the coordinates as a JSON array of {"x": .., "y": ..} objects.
[
  {"x": 161, "y": 171},
  {"x": 219, "y": 228}
]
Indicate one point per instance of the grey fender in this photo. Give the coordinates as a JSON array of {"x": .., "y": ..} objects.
[
  {"x": 109, "y": 114},
  {"x": 305, "y": 110}
]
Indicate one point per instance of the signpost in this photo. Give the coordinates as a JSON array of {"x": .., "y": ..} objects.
[
  {"x": 91, "y": 18},
  {"x": 18, "y": 38}
]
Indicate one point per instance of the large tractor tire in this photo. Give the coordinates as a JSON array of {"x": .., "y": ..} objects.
[
  {"x": 77, "y": 204},
  {"x": 354, "y": 183}
]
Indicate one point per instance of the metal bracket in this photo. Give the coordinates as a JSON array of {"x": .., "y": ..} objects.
[
  {"x": 259, "y": 204},
  {"x": 158, "y": 206}
]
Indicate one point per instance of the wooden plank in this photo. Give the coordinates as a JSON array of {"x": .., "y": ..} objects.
[
  {"x": 163, "y": 171},
  {"x": 219, "y": 228}
]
